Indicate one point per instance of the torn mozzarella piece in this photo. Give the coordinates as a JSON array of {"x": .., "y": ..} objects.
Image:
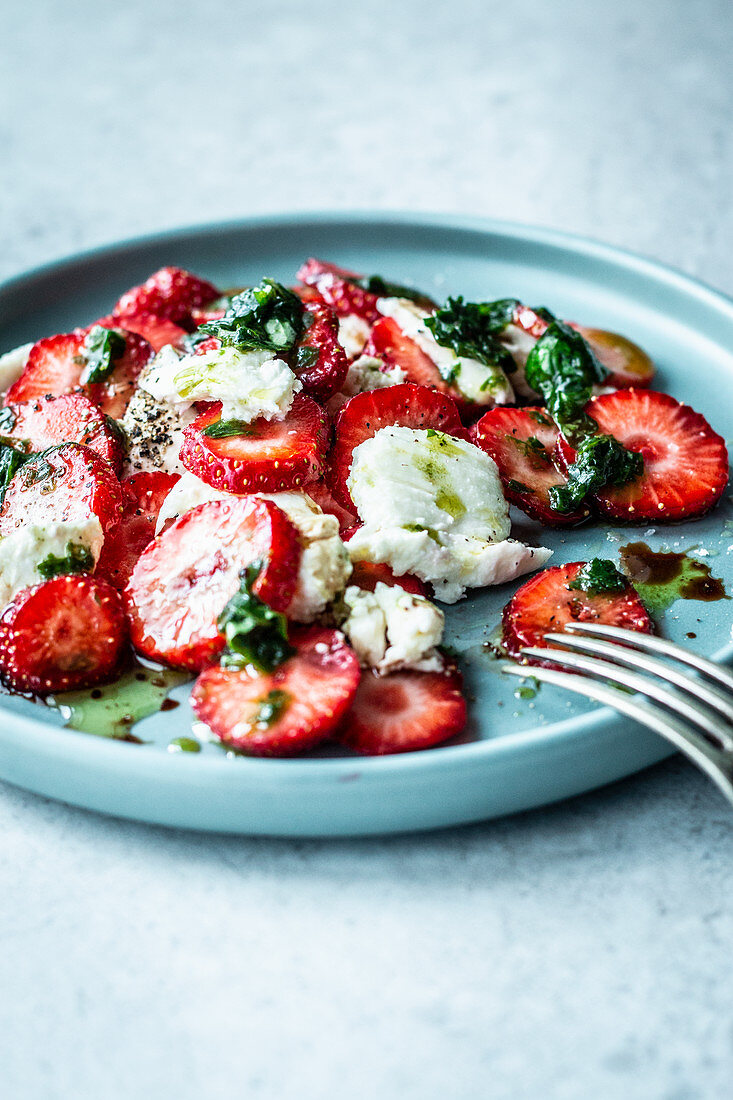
[
  {"x": 392, "y": 629},
  {"x": 353, "y": 334},
  {"x": 22, "y": 551},
  {"x": 154, "y": 431},
  {"x": 484, "y": 385},
  {"x": 365, "y": 374},
  {"x": 12, "y": 365},
  {"x": 433, "y": 505},
  {"x": 519, "y": 344}
]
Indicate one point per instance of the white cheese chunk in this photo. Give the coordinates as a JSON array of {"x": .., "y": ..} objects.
[
  {"x": 353, "y": 334},
  {"x": 12, "y": 365},
  {"x": 22, "y": 551},
  {"x": 154, "y": 431},
  {"x": 477, "y": 382},
  {"x": 365, "y": 374},
  {"x": 390, "y": 629},
  {"x": 519, "y": 344},
  {"x": 433, "y": 505}
]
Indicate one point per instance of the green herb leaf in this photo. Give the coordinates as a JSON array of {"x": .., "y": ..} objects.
[
  {"x": 78, "y": 559},
  {"x": 11, "y": 459},
  {"x": 306, "y": 357},
  {"x": 518, "y": 487},
  {"x": 268, "y": 316},
  {"x": 375, "y": 284},
  {"x": 562, "y": 367},
  {"x": 599, "y": 576},
  {"x": 599, "y": 461},
  {"x": 255, "y": 634},
  {"x": 472, "y": 329},
  {"x": 102, "y": 348},
  {"x": 7, "y": 419},
  {"x": 271, "y": 707},
  {"x": 222, "y": 429}
]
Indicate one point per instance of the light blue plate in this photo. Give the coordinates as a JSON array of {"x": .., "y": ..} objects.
[{"x": 518, "y": 752}]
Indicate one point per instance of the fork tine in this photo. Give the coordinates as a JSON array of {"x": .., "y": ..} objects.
[
  {"x": 650, "y": 643},
  {"x": 711, "y": 760},
  {"x": 712, "y": 696},
  {"x": 697, "y": 715}
]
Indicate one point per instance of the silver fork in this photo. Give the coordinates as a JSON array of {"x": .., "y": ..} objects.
[{"x": 695, "y": 714}]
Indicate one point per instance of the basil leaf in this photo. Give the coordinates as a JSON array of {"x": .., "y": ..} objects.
[
  {"x": 472, "y": 329},
  {"x": 78, "y": 559},
  {"x": 11, "y": 459},
  {"x": 255, "y": 634},
  {"x": 306, "y": 358},
  {"x": 562, "y": 367},
  {"x": 599, "y": 576},
  {"x": 222, "y": 429},
  {"x": 7, "y": 419},
  {"x": 268, "y": 317},
  {"x": 102, "y": 348},
  {"x": 599, "y": 461}
]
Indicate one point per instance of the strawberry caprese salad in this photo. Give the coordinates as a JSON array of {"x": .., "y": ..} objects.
[{"x": 273, "y": 489}]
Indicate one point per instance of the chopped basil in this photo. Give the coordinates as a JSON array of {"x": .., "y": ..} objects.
[
  {"x": 540, "y": 418},
  {"x": 255, "y": 634},
  {"x": 544, "y": 313},
  {"x": 78, "y": 559},
  {"x": 102, "y": 348},
  {"x": 562, "y": 367},
  {"x": 533, "y": 449},
  {"x": 306, "y": 358},
  {"x": 268, "y": 317},
  {"x": 7, "y": 419},
  {"x": 518, "y": 487},
  {"x": 271, "y": 707},
  {"x": 222, "y": 429},
  {"x": 599, "y": 461},
  {"x": 472, "y": 330},
  {"x": 375, "y": 284},
  {"x": 11, "y": 459},
  {"x": 599, "y": 576}
]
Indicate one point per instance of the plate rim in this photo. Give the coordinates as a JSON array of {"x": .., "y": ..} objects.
[{"x": 62, "y": 742}]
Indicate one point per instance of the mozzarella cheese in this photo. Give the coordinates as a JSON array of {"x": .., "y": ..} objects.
[
  {"x": 519, "y": 344},
  {"x": 353, "y": 334},
  {"x": 12, "y": 365},
  {"x": 433, "y": 505},
  {"x": 391, "y": 629},
  {"x": 479, "y": 383},
  {"x": 22, "y": 551},
  {"x": 154, "y": 431},
  {"x": 249, "y": 384}
]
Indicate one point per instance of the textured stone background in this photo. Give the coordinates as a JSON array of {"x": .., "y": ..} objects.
[{"x": 583, "y": 951}]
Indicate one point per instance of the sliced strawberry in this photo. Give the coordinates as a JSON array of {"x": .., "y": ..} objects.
[
  {"x": 144, "y": 494},
  {"x": 685, "y": 461},
  {"x": 319, "y": 492},
  {"x": 362, "y": 416},
  {"x": 70, "y": 418},
  {"x": 66, "y": 483},
  {"x": 545, "y": 604},
  {"x": 321, "y": 362},
  {"x": 388, "y": 343},
  {"x": 268, "y": 457},
  {"x": 170, "y": 293},
  {"x": 56, "y": 365},
  {"x": 186, "y": 576},
  {"x": 368, "y": 574},
  {"x": 286, "y": 711},
  {"x": 522, "y": 443},
  {"x": 628, "y": 364},
  {"x": 66, "y": 633},
  {"x": 530, "y": 321},
  {"x": 158, "y": 331},
  {"x": 332, "y": 283},
  {"x": 404, "y": 711}
]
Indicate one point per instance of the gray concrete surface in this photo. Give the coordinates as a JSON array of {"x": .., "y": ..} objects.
[{"x": 573, "y": 953}]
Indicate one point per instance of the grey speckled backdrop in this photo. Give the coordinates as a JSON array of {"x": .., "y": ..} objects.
[{"x": 583, "y": 951}]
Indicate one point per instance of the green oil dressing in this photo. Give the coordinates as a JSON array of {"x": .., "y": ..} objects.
[
  {"x": 441, "y": 446},
  {"x": 184, "y": 744},
  {"x": 111, "y": 710},
  {"x": 662, "y": 578}
]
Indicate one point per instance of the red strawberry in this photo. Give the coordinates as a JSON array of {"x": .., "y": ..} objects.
[
  {"x": 158, "y": 331},
  {"x": 530, "y": 321},
  {"x": 286, "y": 711},
  {"x": 269, "y": 456},
  {"x": 169, "y": 293},
  {"x": 404, "y": 711},
  {"x": 326, "y": 374},
  {"x": 685, "y": 461},
  {"x": 70, "y": 418},
  {"x": 67, "y": 483},
  {"x": 368, "y": 574},
  {"x": 388, "y": 343},
  {"x": 362, "y": 416},
  {"x": 332, "y": 283},
  {"x": 66, "y": 633},
  {"x": 204, "y": 315},
  {"x": 144, "y": 495},
  {"x": 628, "y": 364},
  {"x": 522, "y": 443},
  {"x": 545, "y": 605},
  {"x": 319, "y": 492},
  {"x": 186, "y": 576},
  {"x": 57, "y": 364}
]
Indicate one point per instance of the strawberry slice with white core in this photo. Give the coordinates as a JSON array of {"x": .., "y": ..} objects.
[
  {"x": 65, "y": 484},
  {"x": 144, "y": 494},
  {"x": 265, "y": 456},
  {"x": 368, "y": 574},
  {"x": 186, "y": 576},
  {"x": 66, "y": 633},
  {"x": 406, "y": 405},
  {"x": 156, "y": 331},
  {"x": 522, "y": 444},
  {"x": 628, "y": 364},
  {"x": 546, "y": 604},
  {"x": 388, "y": 343},
  {"x": 170, "y": 293},
  {"x": 320, "y": 493},
  {"x": 289, "y": 710},
  {"x": 404, "y": 712},
  {"x": 685, "y": 461},
  {"x": 69, "y": 418}
]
